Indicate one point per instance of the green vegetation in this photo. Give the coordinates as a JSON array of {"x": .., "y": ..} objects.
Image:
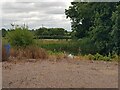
[
  {"x": 97, "y": 56},
  {"x": 95, "y": 33},
  {"x": 20, "y": 37},
  {"x": 51, "y": 33},
  {"x": 99, "y": 22},
  {"x": 4, "y": 32},
  {"x": 60, "y": 46}
]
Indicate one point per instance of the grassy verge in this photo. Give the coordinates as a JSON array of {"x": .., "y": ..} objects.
[
  {"x": 54, "y": 50},
  {"x": 60, "y": 47}
]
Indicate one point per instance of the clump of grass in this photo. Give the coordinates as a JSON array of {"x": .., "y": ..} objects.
[
  {"x": 35, "y": 53},
  {"x": 105, "y": 58},
  {"x": 97, "y": 56},
  {"x": 115, "y": 57},
  {"x": 91, "y": 57},
  {"x": 14, "y": 52},
  {"x": 56, "y": 56},
  {"x": 30, "y": 52},
  {"x": 4, "y": 55}
]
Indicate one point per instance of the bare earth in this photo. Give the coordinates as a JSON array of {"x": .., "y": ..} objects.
[{"x": 61, "y": 74}]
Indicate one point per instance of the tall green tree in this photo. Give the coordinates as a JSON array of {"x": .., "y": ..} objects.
[
  {"x": 116, "y": 29},
  {"x": 97, "y": 21},
  {"x": 80, "y": 14}
]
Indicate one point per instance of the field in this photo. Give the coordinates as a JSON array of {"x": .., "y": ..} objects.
[
  {"x": 59, "y": 49},
  {"x": 82, "y": 52},
  {"x": 48, "y": 65},
  {"x": 65, "y": 73},
  {"x": 59, "y": 45},
  {"x": 58, "y": 70}
]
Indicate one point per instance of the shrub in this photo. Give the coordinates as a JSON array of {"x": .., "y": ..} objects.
[
  {"x": 107, "y": 58},
  {"x": 87, "y": 46},
  {"x": 56, "y": 56},
  {"x": 115, "y": 57},
  {"x": 20, "y": 37},
  {"x": 91, "y": 57},
  {"x": 98, "y": 57}
]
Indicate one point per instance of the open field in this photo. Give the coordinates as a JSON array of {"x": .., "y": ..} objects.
[
  {"x": 49, "y": 52},
  {"x": 61, "y": 74}
]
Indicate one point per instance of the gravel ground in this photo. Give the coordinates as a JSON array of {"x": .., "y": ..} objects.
[{"x": 61, "y": 74}]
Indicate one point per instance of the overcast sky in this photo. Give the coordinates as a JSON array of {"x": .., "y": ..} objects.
[{"x": 34, "y": 13}]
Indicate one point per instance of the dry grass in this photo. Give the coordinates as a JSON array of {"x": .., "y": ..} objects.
[
  {"x": 31, "y": 52},
  {"x": 35, "y": 53},
  {"x": 4, "y": 56},
  {"x": 57, "y": 57}
]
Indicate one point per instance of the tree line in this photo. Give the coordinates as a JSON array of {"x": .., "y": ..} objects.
[{"x": 44, "y": 33}]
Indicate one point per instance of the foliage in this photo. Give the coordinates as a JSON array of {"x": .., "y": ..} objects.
[
  {"x": 4, "y": 41},
  {"x": 97, "y": 21},
  {"x": 4, "y": 32},
  {"x": 91, "y": 57},
  {"x": 60, "y": 46},
  {"x": 116, "y": 30},
  {"x": 51, "y": 33},
  {"x": 98, "y": 57},
  {"x": 20, "y": 37},
  {"x": 87, "y": 46}
]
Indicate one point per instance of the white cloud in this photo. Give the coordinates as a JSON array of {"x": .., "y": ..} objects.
[{"x": 50, "y": 13}]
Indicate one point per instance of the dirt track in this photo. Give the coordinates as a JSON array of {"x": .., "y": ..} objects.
[{"x": 62, "y": 74}]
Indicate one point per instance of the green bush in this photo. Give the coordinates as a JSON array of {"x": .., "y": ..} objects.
[
  {"x": 4, "y": 41},
  {"x": 115, "y": 57},
  {"x": 107, "y": 58},
  {"x": 91, "y": 57},
  {"x": 20, "y": 37},
  {"x": 87, "y": 46},
  {"x": 98, "y": 57}
]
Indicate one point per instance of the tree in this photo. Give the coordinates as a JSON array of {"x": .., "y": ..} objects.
[
  {"x": 40, "y": 31},
  {"x": 116, "y": 30},
  {"x": 4, "y": 32},
  {"x": 82, "y": 15},
  {"x": 93, "y": 20},
  {"x": 51, "y": 31}
]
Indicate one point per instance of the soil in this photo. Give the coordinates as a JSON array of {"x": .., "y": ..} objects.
[{"x": 60, "y": 74}]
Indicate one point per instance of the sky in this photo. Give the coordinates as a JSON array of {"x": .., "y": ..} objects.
[{"x": 35, "y": 13}]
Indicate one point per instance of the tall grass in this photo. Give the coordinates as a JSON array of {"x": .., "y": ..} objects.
[
  {"x": 4, "y": 56},
  {"x": 30, "y": 52},
  {"x": 60, "y": 46}
]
